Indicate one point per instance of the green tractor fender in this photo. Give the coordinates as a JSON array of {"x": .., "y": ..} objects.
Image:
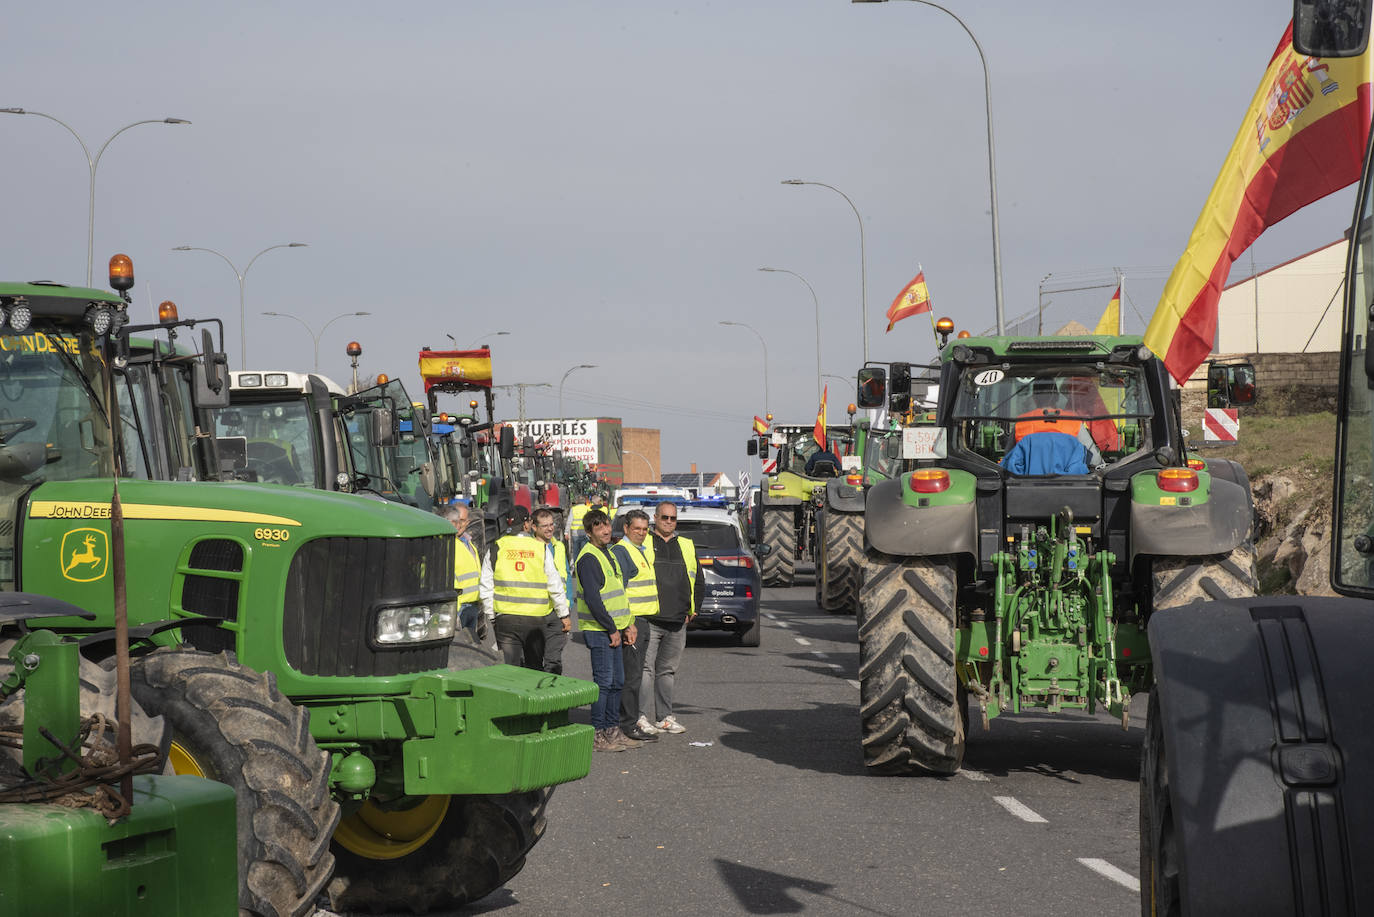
[
  {"x": 899, "y": 521},
  {"x": 844, "y": 497},
  {"x": 1214, "y": 519}
]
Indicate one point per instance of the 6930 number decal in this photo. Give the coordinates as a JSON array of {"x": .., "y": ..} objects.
[{"x": 272, "y": 534}]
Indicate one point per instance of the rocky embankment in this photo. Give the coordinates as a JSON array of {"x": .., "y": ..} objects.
[{"x": 1301, "y": 545}]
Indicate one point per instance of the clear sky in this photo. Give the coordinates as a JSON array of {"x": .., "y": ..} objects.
[{"x": 601, "y": 179}]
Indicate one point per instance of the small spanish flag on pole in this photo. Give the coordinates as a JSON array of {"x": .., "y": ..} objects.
[
  {"x": 819, "y": 432},
  {"x": 913, "y": 300},
  {"x": 1302, "y": 138},
  {"x": 760, "y": 425},
  {"x": 1110, "y": 322}
]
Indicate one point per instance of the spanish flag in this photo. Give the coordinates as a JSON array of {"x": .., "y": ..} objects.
[
  {"x": 819, "y": 432},
  {"x": 760, "y": 425},
  {"x": 1110, "y": 322},
  {"x": 1302, "y": 138},
  {"x": 913, "y": 300}
]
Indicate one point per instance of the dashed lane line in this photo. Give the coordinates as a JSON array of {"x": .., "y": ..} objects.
[
  {"x": 856, "y": 685},
  {"x": 818, "y": 654},
  {"x": 802, "y": 640},
  {"x": 1108, "y": 871},
  {"x": 1020, "y": 810}
]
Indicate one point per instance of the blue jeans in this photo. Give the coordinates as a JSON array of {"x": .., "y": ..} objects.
[{"x": 608, "y": 671}]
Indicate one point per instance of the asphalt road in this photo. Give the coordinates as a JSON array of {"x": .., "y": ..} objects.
[{"x": 763, "y": 806}]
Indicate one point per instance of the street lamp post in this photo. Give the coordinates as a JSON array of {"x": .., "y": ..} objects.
[
  {"x": 240, "y": 274},
  {"x": 313, "y": 336},
  {"x": 783, "y": 270},
  {"x": 92, "y": 163},
  {"x": 863, "y": 260},
  {"x": 992, "y": 160},
  {"x": 647, "y": 463},
  {"x": 560, "y": 397},
  {"x": 764, "y": 345}
]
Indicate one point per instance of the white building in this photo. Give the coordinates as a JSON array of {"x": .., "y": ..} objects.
[{"x": 1292, "y": 308}]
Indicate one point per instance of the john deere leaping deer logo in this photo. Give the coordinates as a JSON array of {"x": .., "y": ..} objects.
[{"x": 85, "y": 555}]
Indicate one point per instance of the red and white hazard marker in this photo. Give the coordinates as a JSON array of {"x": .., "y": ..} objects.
[
  {"x": 1220, "y": 425},
  {"x": 770, "y": 466}
]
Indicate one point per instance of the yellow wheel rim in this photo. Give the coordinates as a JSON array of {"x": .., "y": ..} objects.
[
  {"x": 184, "y": 761},
  {"x": 380, "y": 834}
]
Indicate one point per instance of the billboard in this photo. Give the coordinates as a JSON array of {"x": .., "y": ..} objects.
[{"x": 594, "y": 440}]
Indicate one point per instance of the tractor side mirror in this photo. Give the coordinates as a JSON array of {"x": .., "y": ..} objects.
[
  {"x": 507, "y": 442},
  {"x": 1330, "y": 28},
  {"x": 1230, "y": 384},
  {"x": 383, "y": 427},
  {"x": 210, "y": 375},
  {"x": 899, "y": 389},
  {"x": 752, "y": 447},
  {"x": 872, "y": 387}
]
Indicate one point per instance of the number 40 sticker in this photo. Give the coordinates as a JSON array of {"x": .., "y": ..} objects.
[{"x": 988, "y": 377}]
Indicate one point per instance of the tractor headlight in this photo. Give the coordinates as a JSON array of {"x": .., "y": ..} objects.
[{"x": 407, "y": 625}]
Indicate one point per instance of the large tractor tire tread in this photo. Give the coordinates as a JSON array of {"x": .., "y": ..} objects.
[
  {"x": 479, "y": 847},
  {"x": 240, "y": 730},
  {"x": 780, "y": 531},
  {"x": 842, "y": 541},
  {"x": 1180, "y": 580},
  {"x": 909, "y": 692}
]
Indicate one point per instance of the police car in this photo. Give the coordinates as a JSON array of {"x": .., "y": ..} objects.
[{"x": 730, "y": 570}]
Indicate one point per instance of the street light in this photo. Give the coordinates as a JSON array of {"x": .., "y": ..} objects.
[
  {"x": 313, "y": 336},
  {"x": 863, "y": 261},
  {"x": 647, "y": 463},
  {"x": 92, "y": 164},
  {"x": 560, "y": 398},
  {"x": 764, "y": 344},
  {"x": 783, "y": 270},
  {"x": 992, "y": 161},
  {"x": 240, "y": 274}
]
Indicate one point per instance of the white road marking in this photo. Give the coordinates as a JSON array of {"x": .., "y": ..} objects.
[
  {"x": 802, "y": 640},
  {"x": 1107, "y": 870},
  {"x": 818, "y": 654},
  {"x": 1020, "y": 810},
  {"x": 976, "y": 776},
  {"x": 783, "y": 624},
  {"x": 770, "y": 616},
  {"x": 854, "y": 683}
]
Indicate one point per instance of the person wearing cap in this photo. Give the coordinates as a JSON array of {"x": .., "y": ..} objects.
[
  {"x": 519, "y": 587},
  {"x": 606, "y": 622}
]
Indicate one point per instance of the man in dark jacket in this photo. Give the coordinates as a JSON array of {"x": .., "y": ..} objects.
[{"x": 680, "y": 590}]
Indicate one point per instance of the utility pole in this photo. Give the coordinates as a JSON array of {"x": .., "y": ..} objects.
[{"x": 520, "y": 396}]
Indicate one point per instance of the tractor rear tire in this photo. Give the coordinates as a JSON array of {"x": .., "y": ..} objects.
[
  {"x": 1180, "y": 580},
  {"x": 478, "y": 845},
  {"x": 841, "y": 554},
  {"x": 231, "y": 724},
  {"x": 908, "y": 688},
  {"x": 1159, "y": 862},
  {"x": 779, "y": 567}
]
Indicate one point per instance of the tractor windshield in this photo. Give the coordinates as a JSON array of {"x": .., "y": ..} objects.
[
  {"x": 270, "y": 441},
  {"x": 883, "y": 455},
  {"x": 997, "y": 405}
]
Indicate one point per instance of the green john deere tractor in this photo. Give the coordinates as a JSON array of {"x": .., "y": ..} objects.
[
  {"x": 1017, "y": 565},
  {"x": 839, "y": 543},
  {"x": 785, "y": 515},
  {"x": 298, "y": 642}
]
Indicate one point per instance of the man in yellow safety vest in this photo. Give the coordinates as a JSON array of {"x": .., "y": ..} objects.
[
  {"x": 467, "y": 570},
  {"x": 635, "y": 554},
  {"x": 519, "y": 587},
  {"x": 604, "y": 616}
]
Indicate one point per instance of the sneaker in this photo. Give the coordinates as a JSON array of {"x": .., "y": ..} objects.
[
  {"x": 670, "y": 724},
  {"x": 621, "y": 739},
  {"x": 604, "y": 742},
  {"x": 639, "y": 735},
  {"x": 643, "y": 725}
]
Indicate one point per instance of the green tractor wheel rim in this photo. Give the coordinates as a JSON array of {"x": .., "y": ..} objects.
[{"x": 380, "y": 834}]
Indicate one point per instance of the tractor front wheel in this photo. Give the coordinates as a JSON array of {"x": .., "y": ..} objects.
[
  {"x": 230, "y": 723},
  {"x": 780, "y": 532},
  {"x": 908, "y": 688},
  {"x": 434, "y": 851}
]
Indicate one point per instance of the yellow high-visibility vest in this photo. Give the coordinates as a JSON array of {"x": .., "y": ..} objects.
[
  {"x": 612, "y": 593},
  {"x": 520, "y": 584},
  {"x": 642, "y": 589},
  {"x": 467, "y": 570}
]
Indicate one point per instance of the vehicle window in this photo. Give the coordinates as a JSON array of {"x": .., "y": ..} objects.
[
  {"x": 278, "y": 439},
  {"x": 713, "y": 535}
]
